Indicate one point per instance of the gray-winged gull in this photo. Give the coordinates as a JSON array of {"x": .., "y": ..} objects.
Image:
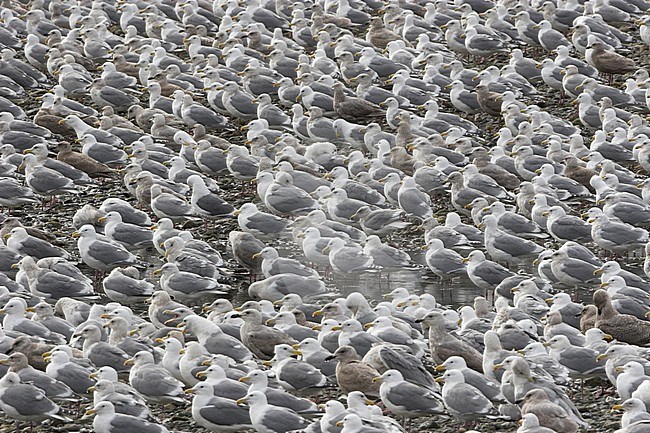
[
  {"x": 101, "y": 254},
  {"x": 62, "y": 369},
  {"x": 580, "y": 361},
  {"x": 258, "y": 380},
  {"x": 166, "y": 204},
  {"x": 269, "y": 418},
  {"x": 222, "y": 385},
  {"x": 296, "y": 375},
  {"x": 214, "y": 340},
  {"x": 443, "y": 262},
  {"x": 14, "y": 319},
  {"x": 379, "y": 222},
  {"x": 152, "y": 381},
  {"x": 258, "y": 223},
  {"x": 283, "y": 198},
  {"x": 186, "y": 285},
  {"x": 217, "y": 413},
  {"x": 347, "y": 259},
  {"x": 124, "y": 285},
  {"x": 462, "y": 400},
  {"x": 107, "y": 421},
  {"x": 27, "y": 245},
  {"x": 26, "y": 402},
  {"x": 634, "y": 412},
  {"x": 45, "y": 181},
  {"x": 273, "y": 264},
  {"x": 384, "y": 255},
  {"x": 406, "y": 398},
  {"x": 124, "y": 398},
  {"x": 100, "y": 353},
  {"x": 12, "y": 193},
  {"x": 530, "y": 424},
  {"x": 131, "y": 236},
  {"x": 484, "y": 273},
  {"x": 506, "y": 247},
  {"x": 206, "y": 203},
  {"x": 53, "y": 388}
]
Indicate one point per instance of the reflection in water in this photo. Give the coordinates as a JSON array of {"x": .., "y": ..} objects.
[{"x": 418, "y": 280}]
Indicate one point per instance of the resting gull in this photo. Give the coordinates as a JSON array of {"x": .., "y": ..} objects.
[
  {"x": 462, "y": 400},
  {"x": 258, "y": 380},
  {"x": 107, "y": 421},
  {"x": 25, "y": 402},
  {"x": 27, "y": 245},
  {"x": 353, "y": 374},
  {"x": 260, "y": 339},
  {"x": 268, "y": 418},
  {"x": 101, "y": 254},
  {"x": 153, "y": 381},
  {"x": 406, "y": 398},
  {"x": 217, "y": 413},
  {"x": 186, "y": 285},
  {"x": 622, "y": 327}
]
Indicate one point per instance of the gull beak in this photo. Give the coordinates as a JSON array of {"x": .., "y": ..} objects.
[{"x": 376, "y": 379}]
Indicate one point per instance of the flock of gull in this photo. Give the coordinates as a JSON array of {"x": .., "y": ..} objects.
[{"x": 369, "y": 129}]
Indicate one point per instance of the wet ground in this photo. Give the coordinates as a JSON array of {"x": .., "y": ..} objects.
[{"x": 595, "y": 407}]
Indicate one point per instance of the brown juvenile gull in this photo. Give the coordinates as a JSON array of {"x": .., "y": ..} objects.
[
  {"x": 444, "y": 345},
  {"x": 82, "y": 162},
  {"x": 244, "y": 246},
  {"x": 581, "y": 174},
  {"x": 550, "y": 415},
  {"x": 608, "y": 62},
  {"x": 622, "y": 327},
  {"x": 352, "y": 108},
  {"x": 53, "y": 388},
  {"x": 588, "y": 317},
  {"x": 378, "y": 35},
  {"x": 489, "y": 101},
  {"x": 353, "y": 374},
  {"x": 260, "y": 339},
  {"x": 11, "y": 222},
  {"x": 33, "y": 350}
]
